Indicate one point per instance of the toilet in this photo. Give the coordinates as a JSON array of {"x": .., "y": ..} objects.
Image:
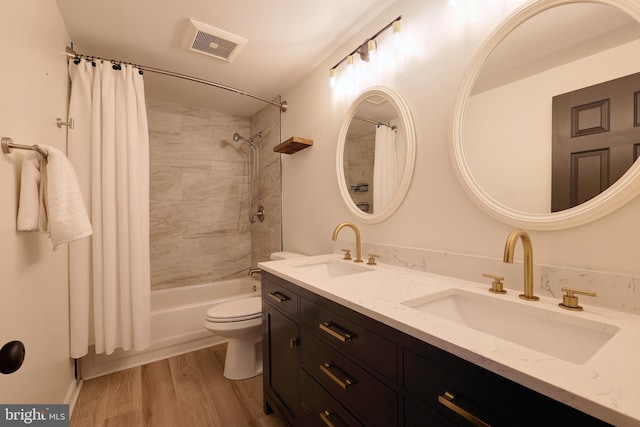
[{"x": 240, "y": 321}]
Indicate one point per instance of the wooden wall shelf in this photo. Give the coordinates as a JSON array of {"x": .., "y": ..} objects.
[{"x": 293, "y": 145}]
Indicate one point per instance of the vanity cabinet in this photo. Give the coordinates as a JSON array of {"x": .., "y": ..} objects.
[
  {"x": 345, "y": 369},
  {"x": 281, "y": 366}
]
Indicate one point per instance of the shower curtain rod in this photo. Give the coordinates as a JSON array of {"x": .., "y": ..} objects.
[
  {"x": 73, "y": 54},
  {"x": 375, "y": 122}
]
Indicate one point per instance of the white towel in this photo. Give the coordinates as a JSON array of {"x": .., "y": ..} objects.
[
  {"x": 29, "y": 209},
  {"x": 50, "y": 198}
]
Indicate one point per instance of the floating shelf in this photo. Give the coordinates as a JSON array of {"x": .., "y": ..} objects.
[{"x": 293, "y": 145}]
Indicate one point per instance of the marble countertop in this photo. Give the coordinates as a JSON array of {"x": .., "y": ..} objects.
[{"x": 606, "y": 386}]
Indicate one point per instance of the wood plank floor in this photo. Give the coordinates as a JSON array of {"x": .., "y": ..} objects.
[{"x": 186, "y": 390}]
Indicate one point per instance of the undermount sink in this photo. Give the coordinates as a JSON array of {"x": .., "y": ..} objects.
[
  {"x": 559, "y": 335},
  {"x": 331, "y": 268}
]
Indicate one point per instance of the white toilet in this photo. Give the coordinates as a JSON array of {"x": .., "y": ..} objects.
[{"x": 240, "y": 321}]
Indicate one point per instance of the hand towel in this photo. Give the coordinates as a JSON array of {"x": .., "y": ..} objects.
[
  {"x": 61, "y": 209},
  {"x": 29, "y": 207}
]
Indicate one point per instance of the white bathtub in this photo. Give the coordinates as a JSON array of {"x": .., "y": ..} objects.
[
  {"x": 176, "y": 324},
  {"x": 178, "y": 312}
]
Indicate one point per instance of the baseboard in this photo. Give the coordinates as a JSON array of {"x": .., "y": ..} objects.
[
  {"x": 95, "y": 365},
  {"x": 72, "y": 395}
]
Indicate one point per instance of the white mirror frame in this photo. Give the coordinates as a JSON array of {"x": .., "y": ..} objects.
[
  {"x": 403, "y": 186},
  {"x": 621, "y": 192}
]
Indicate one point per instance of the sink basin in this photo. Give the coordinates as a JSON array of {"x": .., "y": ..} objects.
[
  {"x": 559, "y": 335},
  {"x": 331, "y": 268}
]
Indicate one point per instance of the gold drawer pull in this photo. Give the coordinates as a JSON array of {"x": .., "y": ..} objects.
[
  {"x": 324, "y": 416},
  {"x": 345, "y": 384},
  {"x": 277, "y": 296},
  {"x": 448, "y": 400},
  {"x": 342, "y": 336}
]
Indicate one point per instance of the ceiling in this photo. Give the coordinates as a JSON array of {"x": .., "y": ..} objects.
[{"x": 286, "y": 40}]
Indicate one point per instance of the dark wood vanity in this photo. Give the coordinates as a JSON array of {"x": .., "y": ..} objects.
[{"x": 327, "y": 365}]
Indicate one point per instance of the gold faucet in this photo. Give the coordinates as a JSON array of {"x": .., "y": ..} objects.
[
  {"x": 358, "y": 242},
  {"x": 509, "y": 249}
]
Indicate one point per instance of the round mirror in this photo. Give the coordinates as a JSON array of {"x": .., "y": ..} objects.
[
  {"x": 376, "y": 154},
  {"x": 544, "y": 108}
]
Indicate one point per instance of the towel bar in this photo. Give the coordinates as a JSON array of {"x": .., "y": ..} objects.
[{"x": 8, "y": 146}]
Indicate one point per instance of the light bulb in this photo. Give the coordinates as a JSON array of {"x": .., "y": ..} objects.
[{"x": 371, "y": 47}]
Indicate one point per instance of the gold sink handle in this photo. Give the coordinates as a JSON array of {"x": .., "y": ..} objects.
[
  {"x": 570, "y": 301},
  {"x": 496, "y": 285}
]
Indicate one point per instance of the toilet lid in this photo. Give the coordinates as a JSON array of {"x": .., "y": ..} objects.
[{"x": 236, "y": 310}]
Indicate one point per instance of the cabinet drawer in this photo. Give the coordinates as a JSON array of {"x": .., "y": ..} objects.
[
  {"x": 319, "y": 408},
  {"x": 356, "y": 389},
  {"x": 462, "y": 389},
  {"x": 350, "y": 337},
  {"x": 280, "y": 297},
  {"x": 447, "y": 393}
]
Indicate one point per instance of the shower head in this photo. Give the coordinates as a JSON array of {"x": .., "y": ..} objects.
[{"x": 238, "y": 137}]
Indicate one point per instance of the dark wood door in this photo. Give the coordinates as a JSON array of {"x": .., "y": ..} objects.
[{"x": 595, "y": 139}]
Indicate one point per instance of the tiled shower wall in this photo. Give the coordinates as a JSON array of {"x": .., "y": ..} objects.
[
  {"x": 266, "y": 236},
  {"x": 199, "y": 184}
]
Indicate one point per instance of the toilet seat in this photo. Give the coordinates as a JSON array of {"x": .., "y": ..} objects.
[{"x": 236, "y": 310}]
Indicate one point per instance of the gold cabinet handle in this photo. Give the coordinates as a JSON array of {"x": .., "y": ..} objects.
[
  {"x": 324, "y": 416},
  {"x": 342, "y": 336},
  {"x": 293, "y": 342},
  {"x": 448, "y": 400},
  {"x": 277, "y": 296},
  {"x": 345, "y": 384}
]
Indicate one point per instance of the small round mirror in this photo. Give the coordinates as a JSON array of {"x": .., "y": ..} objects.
[{"x": 376, "y": 154}]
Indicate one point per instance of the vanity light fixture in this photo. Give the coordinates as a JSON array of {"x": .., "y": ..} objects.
[
  {"x": 396, "y": 27},
  {"x": 366, "y": 50},
  {"x": 332, "y": 77}
]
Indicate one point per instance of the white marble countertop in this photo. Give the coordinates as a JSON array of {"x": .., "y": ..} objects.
[{"x": 606, "y": 386}]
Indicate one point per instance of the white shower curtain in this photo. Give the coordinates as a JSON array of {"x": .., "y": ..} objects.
[
  {"x": 109, "y": 148},
  {"x": 385, "y": 167}
]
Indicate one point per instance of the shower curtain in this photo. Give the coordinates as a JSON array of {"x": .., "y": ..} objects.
[
  {"x": 385, "y": 167},
  {"x": 109, "y": 148}
]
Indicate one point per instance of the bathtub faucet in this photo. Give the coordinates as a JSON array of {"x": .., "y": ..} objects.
[{"x": 253, "y": 271}]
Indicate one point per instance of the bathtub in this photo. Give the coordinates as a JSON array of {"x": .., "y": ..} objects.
[
  {"x": 176, "y": 324},
  {"x": 178, "y": 313}
]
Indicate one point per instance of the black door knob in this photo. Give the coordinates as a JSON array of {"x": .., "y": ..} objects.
[{"x": 11, "y": 357}]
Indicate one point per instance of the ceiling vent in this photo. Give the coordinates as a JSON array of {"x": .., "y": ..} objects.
[{"x": 203, "y": 38}]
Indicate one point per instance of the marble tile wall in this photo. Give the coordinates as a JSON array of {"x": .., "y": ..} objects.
[
  {"x": 266, "y": 236},
  {"x": 199, "y": 184}
]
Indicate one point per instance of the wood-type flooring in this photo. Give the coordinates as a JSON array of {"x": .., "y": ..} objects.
[{"x": 188, "y": 390}]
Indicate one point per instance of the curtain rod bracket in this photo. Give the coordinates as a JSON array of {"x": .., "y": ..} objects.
[{"x": 60, "y": 123}]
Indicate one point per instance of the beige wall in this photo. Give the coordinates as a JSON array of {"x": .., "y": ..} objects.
[
  {"x": 33, "y": 278},
  {"x": 439, "y": 41}
]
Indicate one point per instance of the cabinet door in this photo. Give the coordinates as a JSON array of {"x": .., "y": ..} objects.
[{"x": 281, "y": 370}]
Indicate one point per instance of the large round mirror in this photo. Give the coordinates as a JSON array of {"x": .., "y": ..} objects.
[
  {"x": 376, "y": 154},
  {"x": 547, "y": 125}
]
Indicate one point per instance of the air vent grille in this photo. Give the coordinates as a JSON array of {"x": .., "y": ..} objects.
[
  {"x": 212, "y": 41},
  {"x": 213, "y": 45}
]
